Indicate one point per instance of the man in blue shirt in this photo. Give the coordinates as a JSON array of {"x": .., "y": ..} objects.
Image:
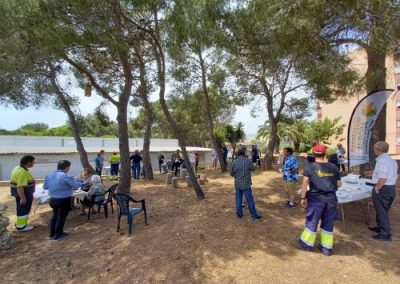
[
  {"x": 241, "y": 171},
  {"x": 290, "y": 176},
  {"x": 60, "y": 186}
]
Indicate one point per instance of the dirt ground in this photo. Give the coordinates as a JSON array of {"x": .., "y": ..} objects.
[{"x": 191, "y": 241}]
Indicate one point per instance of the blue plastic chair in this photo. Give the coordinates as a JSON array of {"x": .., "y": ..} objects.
[
  {"x": 104, "y": 202},
  {"x": 124, "y": 209}
]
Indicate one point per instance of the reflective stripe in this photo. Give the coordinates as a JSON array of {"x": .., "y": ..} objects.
[
  {"x": 21, "y": 221},
  {"x": 308, "y": 237},
  {"x": 326, "y": 239}
]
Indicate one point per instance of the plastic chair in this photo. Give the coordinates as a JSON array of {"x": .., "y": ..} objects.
[
  {"x": 104, "y": 202},
  {"x": 124, "y": 209}
]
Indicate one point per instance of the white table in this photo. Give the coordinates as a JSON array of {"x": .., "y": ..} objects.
[
  {"x": 42, "y": 195},
  {"x": 354, "y": 189}
]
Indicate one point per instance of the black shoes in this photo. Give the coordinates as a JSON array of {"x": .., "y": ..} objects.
[
  {"x": 374, "y": 229},
  {"x": 61, "y": 237},
  {"x": 379, "y": 237}
]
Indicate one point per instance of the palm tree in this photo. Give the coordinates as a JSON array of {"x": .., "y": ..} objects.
[{"x": 234, "y": 136}]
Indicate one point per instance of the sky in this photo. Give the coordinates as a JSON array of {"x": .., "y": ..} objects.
[{"x": 11, "y": 119}]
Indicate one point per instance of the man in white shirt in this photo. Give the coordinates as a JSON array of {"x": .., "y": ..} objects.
[{"x": 384, "y": 192}]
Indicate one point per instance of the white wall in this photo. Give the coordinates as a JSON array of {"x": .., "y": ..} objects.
[{"x": 46, "y": 163}]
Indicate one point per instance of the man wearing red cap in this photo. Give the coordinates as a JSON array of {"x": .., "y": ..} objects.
[{"x": 320, "y": 201}]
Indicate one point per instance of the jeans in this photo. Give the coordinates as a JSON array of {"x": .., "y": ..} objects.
[
  {"x": 61, "y": 208},
  {"x": 248, "y": 194},
  {"x": 382, "y": 202},
  {"x": 136, "y": 170}
]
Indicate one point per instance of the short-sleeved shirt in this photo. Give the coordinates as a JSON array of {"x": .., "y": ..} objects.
[
  {"x": 21, "y": 177},
  {"x": 323, "y": 181},
  {"x": 290, "y": 169},
  {"x": 136, "y": 158},
  {"x": 386, "y": 167}
]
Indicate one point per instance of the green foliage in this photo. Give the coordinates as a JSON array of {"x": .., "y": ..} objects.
[
  {"x": 234, "y": 135},
  {"x": 324, "y": 130}
]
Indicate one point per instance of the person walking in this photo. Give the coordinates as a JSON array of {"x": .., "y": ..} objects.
[
  {"x": 135, "y": 164},
  {"x": 22, "y": 186},
  {"x": 241, "y": 170},
  {"x": 60, "y": 185},
  {"x": 290, "y": 172},
  {"x": 320, "y": 201},
  {"x": 115, "y": 159},
  {"x": 384, "y": 192}
]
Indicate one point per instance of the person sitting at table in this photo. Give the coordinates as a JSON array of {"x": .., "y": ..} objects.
[
  {"x": 86, "y": 176},
  {"x": 60, "y": 185},
  {"x": 96, "y": 188}
]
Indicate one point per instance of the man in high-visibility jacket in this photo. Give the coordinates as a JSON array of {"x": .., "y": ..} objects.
[
  {"x": 22, "y": 188},
  {"x": 320, "y": 201},
  {"x": 115, "y": 159}
]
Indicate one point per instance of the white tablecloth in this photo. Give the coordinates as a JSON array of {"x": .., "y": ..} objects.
[
  {"x": 353, "y": 189},
  {"x": 42, "y": 195}
]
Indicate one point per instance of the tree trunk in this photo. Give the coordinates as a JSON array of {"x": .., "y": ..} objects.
[
  {"x": 143, "y": 90},
  {"x": 125, "y": 172},
  {"x": 376, "y": 81},
  {"x": 160, "y": 59},
  {"x": 148, "y": 169},
  {"x": 72, "y": 121},
  {"x": 209, "y": 117},
  {"x": 296, "y": 145},
  {"x": 278, "y": 145},
  {"x": 271, "y": 145}
]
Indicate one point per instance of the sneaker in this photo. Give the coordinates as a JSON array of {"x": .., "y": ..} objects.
[
  {"x": 288, "y": 205},
  {"x": 258, "y": 218},
  {"x": 302, "y": 246},
  {"x": 379, "y": 237},
  {"x": 27, "y": 228},
  {"x": 51, "y": 237},
  {"x": 325, "y": 251},
  {"x": 374, "y": 229},
  {"x": 63, "y": 236}
]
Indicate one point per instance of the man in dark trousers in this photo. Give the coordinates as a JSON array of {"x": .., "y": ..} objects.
[
  {"x": 135, "y": 160},
  {"x": 22, "y": 188},
  {"x": 384, "y": 192},
  {"x": 320, "y": 201},
  {"x": 60, "y": 186},
  {"x": 241, "y": 171}
]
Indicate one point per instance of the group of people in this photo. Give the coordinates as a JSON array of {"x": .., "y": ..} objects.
[
  {"x": 60, "y": 186},
  {"x": 214, "y": 157},
  {"x": 321, "y": 180}
]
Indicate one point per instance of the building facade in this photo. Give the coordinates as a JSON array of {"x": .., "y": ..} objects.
[{"x": 344, "y": 107}]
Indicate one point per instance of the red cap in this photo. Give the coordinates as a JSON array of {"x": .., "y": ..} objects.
[{"x": 319, "y": 149}]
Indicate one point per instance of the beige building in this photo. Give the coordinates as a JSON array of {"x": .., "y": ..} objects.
[{"x": 344, "y": 107}]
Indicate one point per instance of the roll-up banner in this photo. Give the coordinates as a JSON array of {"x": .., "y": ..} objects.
[{"x": 360, "y": 126}]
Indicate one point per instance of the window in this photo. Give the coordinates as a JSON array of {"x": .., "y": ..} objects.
[
  {"x": 398, "y": 103},
  {"x": 398, "y": 87},
  {"x": 398, "y": 123},
  {"x": 397, "y": 68},
  {"x": 397, "y": 140}
]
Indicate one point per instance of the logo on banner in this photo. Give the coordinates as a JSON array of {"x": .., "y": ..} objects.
[{"x": 361, "y": 124}]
